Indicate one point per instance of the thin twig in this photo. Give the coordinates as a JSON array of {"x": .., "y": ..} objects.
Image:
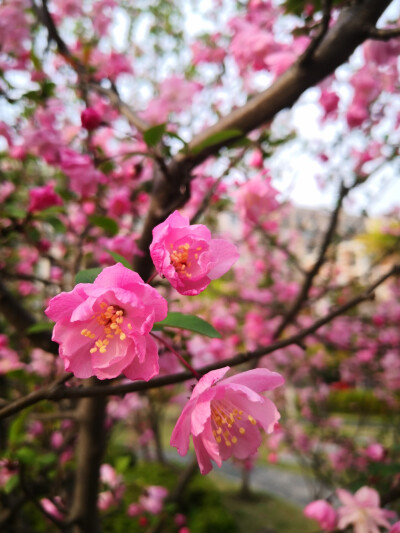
[
  {"x": 61, "y": 392},
  {"x": 307, "y": 284},
  {"x": 324, "y": 26}
]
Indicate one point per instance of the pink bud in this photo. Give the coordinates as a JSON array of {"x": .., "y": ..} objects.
[{"x": 90, "y": 119}]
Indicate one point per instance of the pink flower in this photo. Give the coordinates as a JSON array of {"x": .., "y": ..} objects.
[
  {"x": 323, "y": 513},
  {"x": 362, "y": 511},
  {"x": 395, "y": 528},
  {"x": 103, "y": 328},
  {"x": 43, "y": 197},
  {"x": 153, "y": 499},
  {"x": 224, "y": 416},
  {"x": 90, "y": 118},
  {"x": 187, "y": 255}
]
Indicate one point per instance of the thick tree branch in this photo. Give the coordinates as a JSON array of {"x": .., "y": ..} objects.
[
  {"x": 62, "y": 392},
  {"x": 384, "y": 34},
  {"x": 351, "y": 29}
]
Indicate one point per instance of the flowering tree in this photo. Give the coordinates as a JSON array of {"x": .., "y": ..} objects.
[{"x": 122, "y": 128}]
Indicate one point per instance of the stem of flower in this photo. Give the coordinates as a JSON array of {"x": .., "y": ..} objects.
[
  {"x": 178, "y": 355},
  {"x": 152, "y": 277}
]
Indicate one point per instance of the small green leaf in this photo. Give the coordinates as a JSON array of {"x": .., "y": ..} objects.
[
  {"x": 153, "y": 135},
  {"x": 11, "y": 483},
  {"x": 190, "y": 322},
  {"x": 217, "y": 138},
  {"x": 47, "y": 459},
  {"x": 120, "y": 259},
  {"x": 26, "y": 455},
  {"x": 39, "y": 327},
  {"x": 16, "y": 432},
  {"x": 56, "y": 223},
  {"x": 13, "y": 211},
  {"x": 87, "y": 276},
  {"x": 108, "y": 224}
]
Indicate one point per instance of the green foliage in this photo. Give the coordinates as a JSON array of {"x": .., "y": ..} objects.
[
  {"x": 87, "y": 276},
  {"x": 189, "y": 322},
  {"x": 217, "y": 138},
  {"x": 153, "y": 135},
  {"x": 359, "y": 401},
  {"x": 120, "y": 259},
  {"x": 106, "y": 223}
]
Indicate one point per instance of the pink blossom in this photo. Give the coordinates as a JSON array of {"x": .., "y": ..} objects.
[
  {"x": 84, "y": 177},
  {"x": 323, "y": 513},
  {"x": 395, "y": 528},
  {"x": 257, "y": 199},
  {"x": 90, "y": 118},
  {"x": 153, "y": 498},
  {"x": 9, "y": 359},
  {"x": 375, "y": 452},
  {"x": 362, "y": 511},
  {"x": 103, "y": 328},
  {"x": 51, "y": 508},
  {"x": 329, "y": 100},
  {"x": 43, "y": 197},
  {"x": 187, "y": 255},
  {"x": 224, "y": 416}
]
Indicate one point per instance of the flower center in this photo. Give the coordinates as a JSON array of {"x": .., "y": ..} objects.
[
  {"x": 226, "y": 421},
  {"x": 110, "y": 319},
  {"x": 180, "y": 259}
]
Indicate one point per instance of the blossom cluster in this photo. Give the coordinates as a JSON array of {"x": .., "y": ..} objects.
[{"x": 104, "y": 329}]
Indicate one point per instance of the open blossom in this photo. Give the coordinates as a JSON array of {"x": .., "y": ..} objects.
[
  {"x": 43, "y": 197},
  {"x": 323, "y": 513},
  {"x": 224, "y": 416},
  {"x": 103, "y": 327},
  {"x": 362, "y": 511},
  {"x": 187, "y": 255}
]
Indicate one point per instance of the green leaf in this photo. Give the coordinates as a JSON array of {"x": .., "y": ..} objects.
[
  {"x": 190, "y": 322},
  {"x": 108, "y": 224},
  {"x": 26, "y": 455},
  {"x": 217, "y": 138},
  {"x": 87, "y": 276},
  {"x": 56, "y": 223},
  {"x": 39, "y": 327},
  {"x": 13, "y": 211},
  {"x": 47, "y": 459},
  {"x": 16, "y": 432},
  {"x": 153, "y": 135},
  {"x": 11, "y": 483},
  {"x": 120, "y": 259}
]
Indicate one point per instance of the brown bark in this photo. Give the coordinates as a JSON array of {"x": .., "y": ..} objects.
[{"x": 84, "y": 515}]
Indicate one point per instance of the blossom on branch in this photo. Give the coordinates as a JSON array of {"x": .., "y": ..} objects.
[
  {"x": 103, "y": 328},
  {"x": 187, "y": 255},
  {"x": 224, "y": 416},
  {"x": 362, "y": 510}
]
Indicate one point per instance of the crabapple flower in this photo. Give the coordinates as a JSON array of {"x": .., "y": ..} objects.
[
  {"x": 362, "y": 511},
  {"x": 187, "y": 255},
  {"x": 224, "y": 416},
  {"x": 43, "y": 197},
  {"x": 103, "y": 328},
  {"x": 323, "y": 513}
]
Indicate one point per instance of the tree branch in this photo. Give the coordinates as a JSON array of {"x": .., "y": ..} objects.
[
  {"x": 339, "y": 42},
  {"x": 383, "y": 34},
  {"x": 324, "y": 26},
  {"x": 307, "y": 284},
  {"x": 62, "y": 392}
]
